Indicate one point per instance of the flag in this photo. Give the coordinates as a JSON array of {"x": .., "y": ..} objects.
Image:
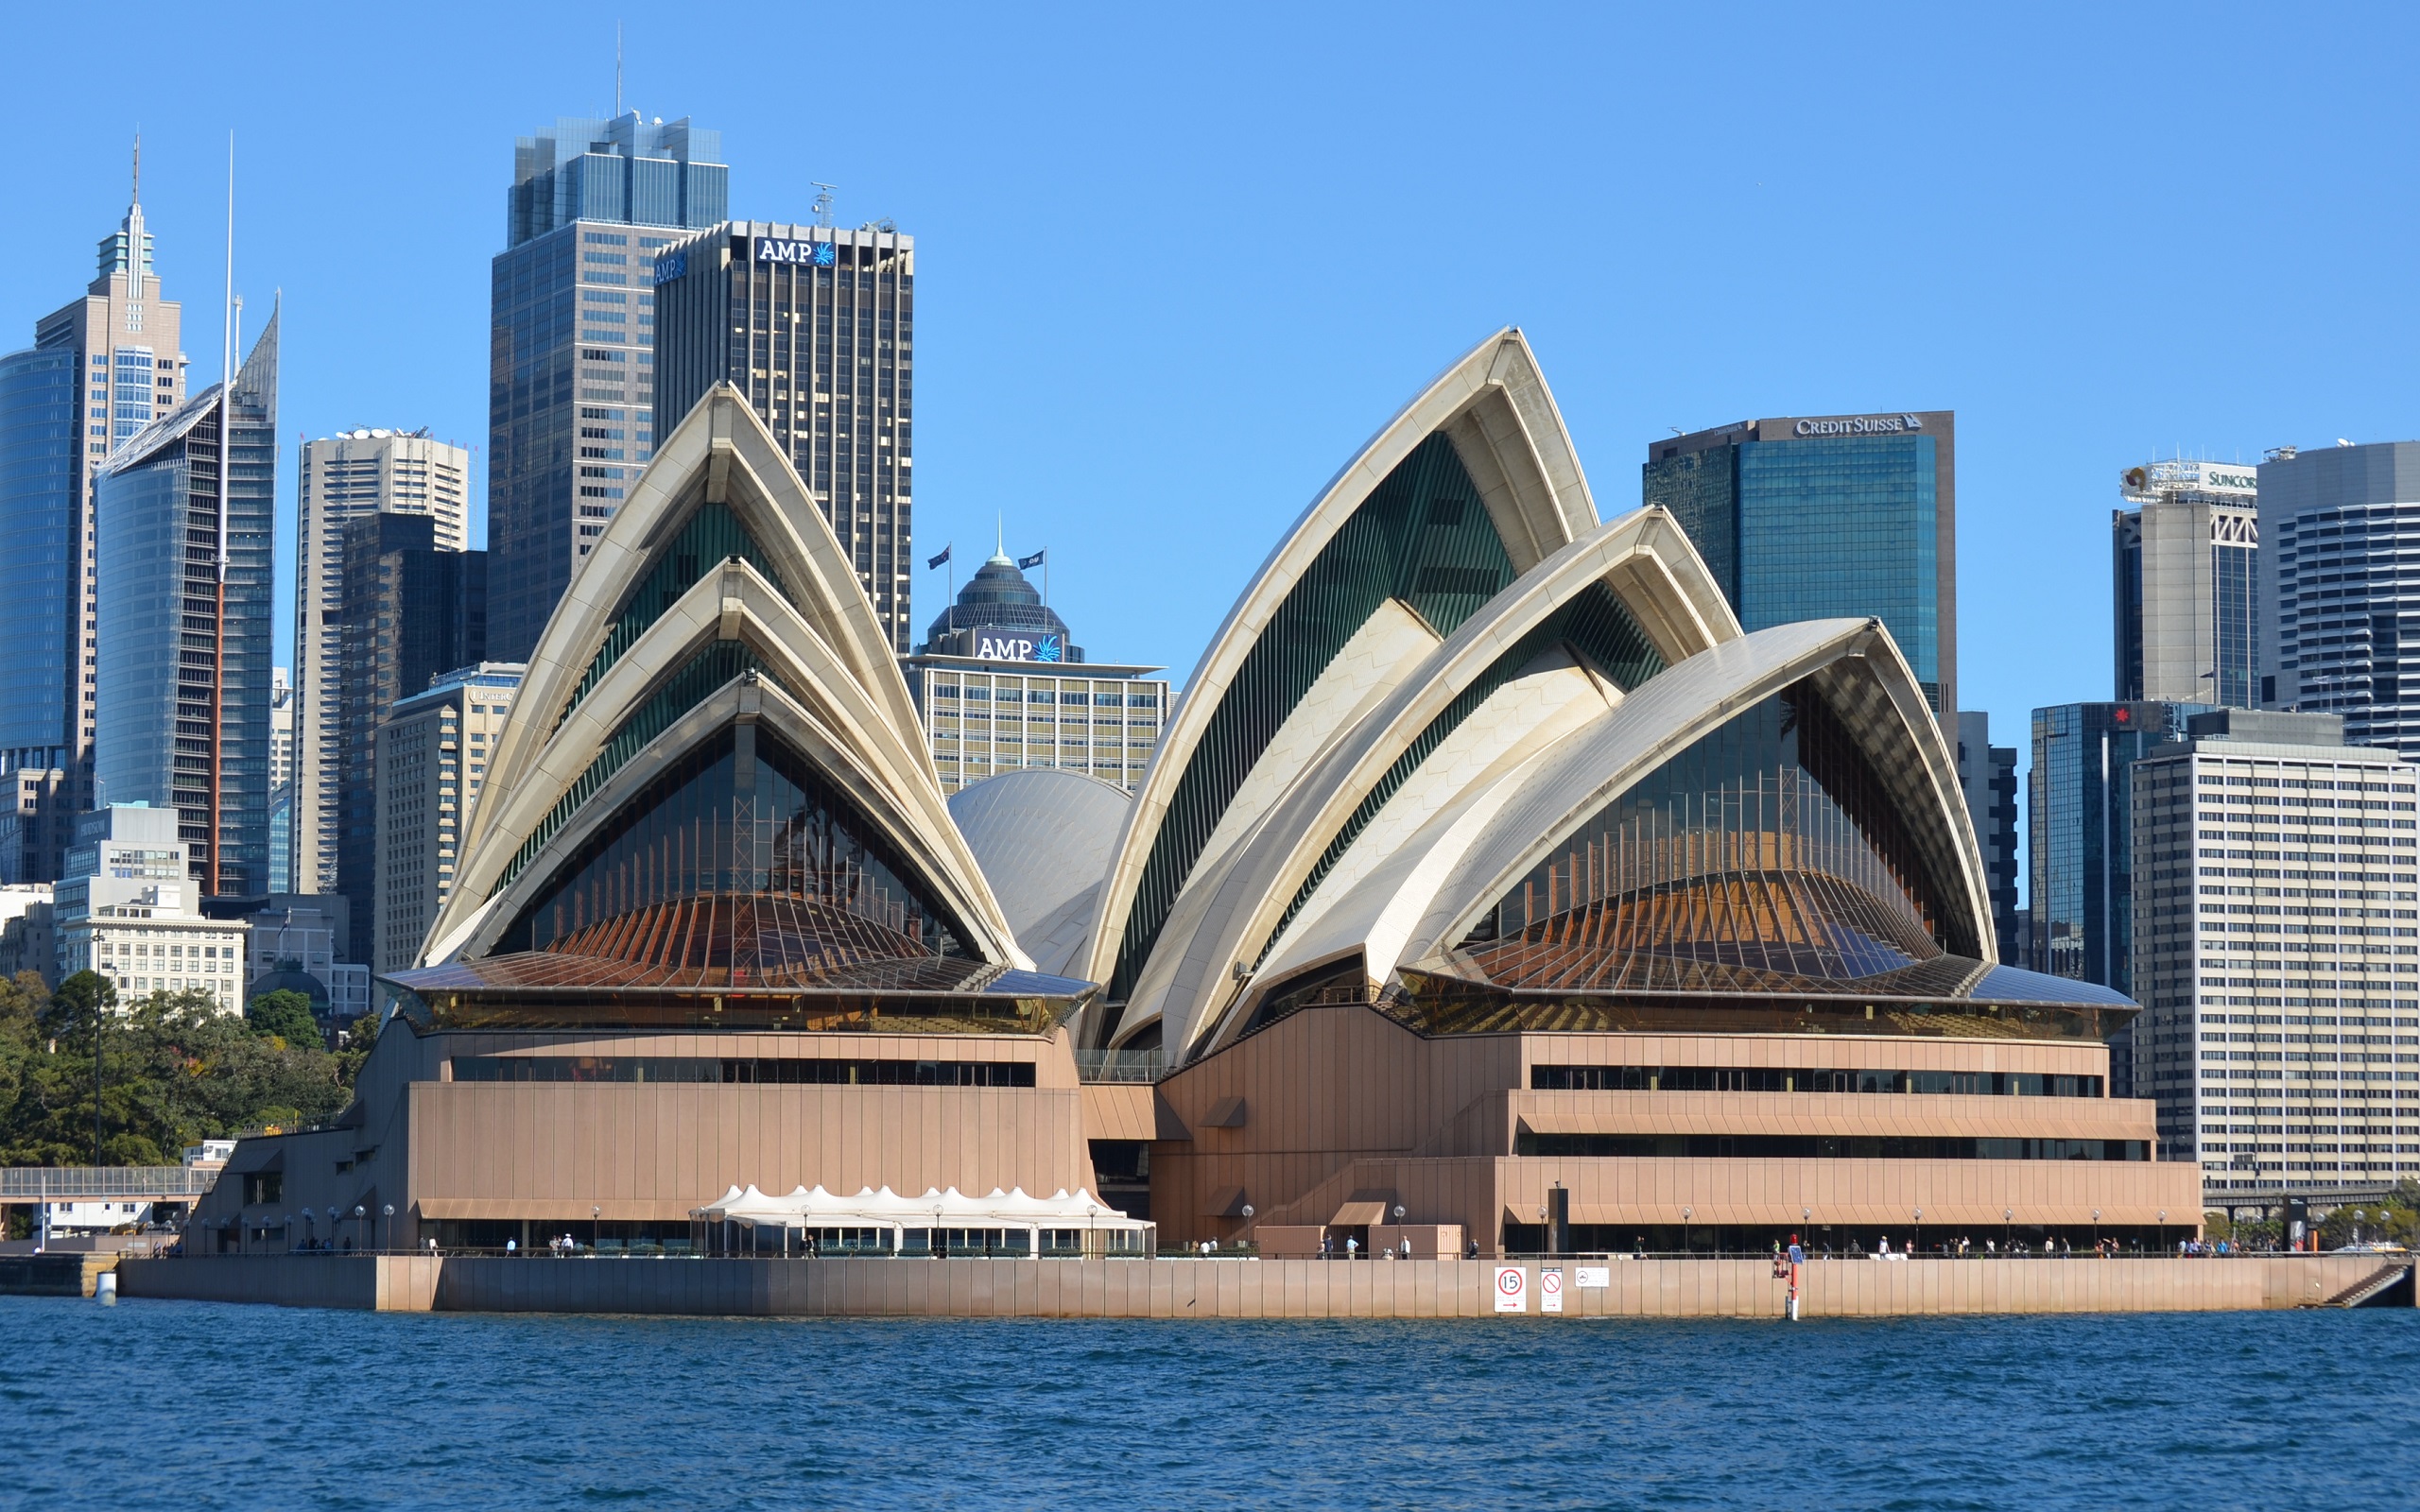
[
  {"x": 1034, "y": 561},
  {"x": 931, "y": 562}
]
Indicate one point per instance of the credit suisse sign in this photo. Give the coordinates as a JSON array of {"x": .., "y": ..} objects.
[{"x": 1862, "y": 425}]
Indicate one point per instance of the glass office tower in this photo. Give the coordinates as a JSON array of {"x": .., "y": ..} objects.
[
  {"x": 816, "y": 326},
  {"x": 412, "y": 609},
  {"x": 1821, "y": 516},
  {"x": 185, "y": 625},
  {"x": 2339, "y": 575},
  {"x": 571, "y": 341}
]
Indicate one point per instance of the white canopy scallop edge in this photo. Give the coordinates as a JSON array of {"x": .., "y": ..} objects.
[{"x": 814, "y": 1208}]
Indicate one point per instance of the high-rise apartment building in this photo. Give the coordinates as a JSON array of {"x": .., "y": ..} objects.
[
  {"x": 126, "y": 909},
  {"x": 2337, "y": 525},
  {"x": 433, "y": 752},
  {"x": 412, "y": 611},
  {"x": 1000, "y": 685},
  {"x": 1826, "y": 516},
  {"x": 571, "y": 343},
  {"x": 185, "y": 531},
  {"x": 2185, "y": 550},
  {"x": 2277, "y": 952},
  {"x": 816, "y": 326},
  {"x": 1987, "y": 776},
  {"x": 345, "y": 476},
  {"x": 102, "y": 368}
]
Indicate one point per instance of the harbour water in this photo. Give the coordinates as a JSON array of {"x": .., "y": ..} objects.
[{"x": 198, "y": 1405}]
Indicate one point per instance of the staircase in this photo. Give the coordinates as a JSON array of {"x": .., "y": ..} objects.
[{"x": 2371, "y": 1290}]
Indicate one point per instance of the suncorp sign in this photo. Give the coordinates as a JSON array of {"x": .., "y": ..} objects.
[{"x": 1862, "y": 425}]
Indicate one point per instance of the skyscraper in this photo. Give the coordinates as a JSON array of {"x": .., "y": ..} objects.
[
  {"x": 433, "y": 751},
  {"x": 2332, "y": 520},
  {"x": 2271, "y": 884},
  {"x": 816, "y": 326},
  {"x": 1826, "y": 516},
  {"x": 2186, "y": 621},
  {"x": 101, "y": 367},
  {"x": 184, "y": 563},
  {"x": 2079, "y": 813},
  {"x": 345, "y": 476},
  {"x": 570, "y": 353},
  {"x": 410, "y": 611},
  {"x": 1987, "y": 774}
]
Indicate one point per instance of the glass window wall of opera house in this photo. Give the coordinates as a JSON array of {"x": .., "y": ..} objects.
[{"x": 1490, "y": 890}]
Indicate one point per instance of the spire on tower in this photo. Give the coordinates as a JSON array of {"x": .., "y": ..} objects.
[{"x": 135, "y": 197}]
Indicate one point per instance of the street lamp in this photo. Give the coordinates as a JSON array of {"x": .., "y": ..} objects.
[
  {"x": 358, "y": 1213},
  {"x": 1247, "y": 1210},
  {"x": 2096, "y": 1230},
  {"x": 389, "y": 1210},
  {"x": 1917, "y": 1244},
  {"x": 1687, "y": 1213},
  {"x": 2008, "y": 1231}
]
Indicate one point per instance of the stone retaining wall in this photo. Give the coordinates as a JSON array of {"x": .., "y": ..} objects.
[{"x": 1237, "y": 1288}]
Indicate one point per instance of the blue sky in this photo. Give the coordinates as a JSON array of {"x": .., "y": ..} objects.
[{"x": 1175, "y": 266}]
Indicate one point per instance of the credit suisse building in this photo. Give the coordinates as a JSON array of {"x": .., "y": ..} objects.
[{"x": 1808, "y": 517}]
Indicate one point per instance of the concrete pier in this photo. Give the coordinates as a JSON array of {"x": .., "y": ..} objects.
[{"x": 1245, "y": 1288}]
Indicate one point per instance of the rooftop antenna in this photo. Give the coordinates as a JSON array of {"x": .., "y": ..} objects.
[
  {"x": 823, "y": 203},
  {"x": 136, "y": 196},
  {"x": 617, "y": 70}
]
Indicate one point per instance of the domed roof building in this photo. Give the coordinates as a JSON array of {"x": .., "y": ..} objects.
[{"x": 998, "y": 603}]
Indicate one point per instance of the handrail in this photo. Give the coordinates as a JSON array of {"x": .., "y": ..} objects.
[{"x": 61, "y": 1183}]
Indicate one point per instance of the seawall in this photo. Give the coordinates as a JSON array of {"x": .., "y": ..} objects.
[{"x": 1240, "y": 1289}]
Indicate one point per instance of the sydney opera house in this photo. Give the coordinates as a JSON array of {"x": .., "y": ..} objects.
[{"x": 1490, "y": 888}]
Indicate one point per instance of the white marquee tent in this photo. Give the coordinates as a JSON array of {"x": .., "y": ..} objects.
[{"x": 1100, "y": 1226}]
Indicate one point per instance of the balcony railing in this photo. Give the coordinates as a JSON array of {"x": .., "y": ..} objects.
[
  {"x": 71, "y": 1183},
  {"x": 1121, "y": 1065}
]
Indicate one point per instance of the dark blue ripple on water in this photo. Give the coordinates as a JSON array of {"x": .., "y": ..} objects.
[{"x": 193, "y": 1406}]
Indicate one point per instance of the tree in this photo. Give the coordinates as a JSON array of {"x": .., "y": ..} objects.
[
  {"x": 287, "y": 1015},
  {"x": 176, "y": 1070}
]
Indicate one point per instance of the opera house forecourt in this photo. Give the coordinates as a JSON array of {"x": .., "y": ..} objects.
[{"x": 1488, "y": 889}]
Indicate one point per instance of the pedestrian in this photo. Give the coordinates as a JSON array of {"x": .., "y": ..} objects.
[
  {"x": 1352, "y": 1246},
  {"x": 511, "y": 1247},
  {"x": 1472, "y": 1253}
]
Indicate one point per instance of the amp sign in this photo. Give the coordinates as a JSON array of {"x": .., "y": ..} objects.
[
  {"x": 784, "y": 249},
  {"x": 993, "y": 644}
]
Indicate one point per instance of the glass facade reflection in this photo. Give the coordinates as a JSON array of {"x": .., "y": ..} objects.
[
  {"x": 1766, "y": 855},
  {"x": 745, "y": 857},
  {"x": 1827, "y": 519},
  {"x": 2080, "y": 810},
  {"x": 1423, "y": 538},
  {"x": 184, "y": 625},
  {"x": 38, "y": 555},
  {"x": 571, "y": 342}
]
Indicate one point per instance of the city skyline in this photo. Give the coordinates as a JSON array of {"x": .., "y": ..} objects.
[{"x": 2046, "y": 420}]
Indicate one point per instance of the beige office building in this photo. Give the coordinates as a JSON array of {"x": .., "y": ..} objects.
[
  {"x": 433, "y": 752},
  {"x": 2187, "y": 626},
  {"x": 344, "y": 476},
  {"x": 130, "y": 353}
]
